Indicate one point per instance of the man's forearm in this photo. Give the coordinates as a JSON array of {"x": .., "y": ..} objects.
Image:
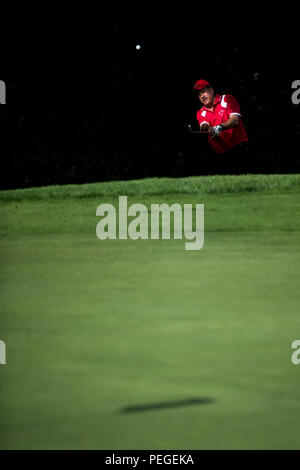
[{"x": 233, "y": 121}]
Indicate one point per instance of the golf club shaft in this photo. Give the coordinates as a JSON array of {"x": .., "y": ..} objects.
[
  {"x": 199, "y": 132},
  {"x": 189, "y": 128}
]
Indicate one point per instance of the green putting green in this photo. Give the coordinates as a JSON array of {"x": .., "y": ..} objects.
[{"x": 123, "y": 344}]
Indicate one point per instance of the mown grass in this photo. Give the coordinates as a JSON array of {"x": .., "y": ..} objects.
[
  {"x": 93, "y": 327},
  {"x": 256, "y": 211}
]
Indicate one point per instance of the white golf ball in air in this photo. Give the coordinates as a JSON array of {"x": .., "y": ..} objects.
[{"x": 138, "y": 47}]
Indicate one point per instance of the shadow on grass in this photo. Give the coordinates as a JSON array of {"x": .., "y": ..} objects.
[{"x": 168, "y": 404}]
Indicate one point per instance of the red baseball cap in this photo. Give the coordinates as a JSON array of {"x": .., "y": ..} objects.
[{"x": 200, "y": 84}]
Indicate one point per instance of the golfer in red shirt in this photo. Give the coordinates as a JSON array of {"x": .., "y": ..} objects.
[{"x": 220, "y": 115}]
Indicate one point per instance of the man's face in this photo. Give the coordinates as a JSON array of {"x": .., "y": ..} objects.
[{"x": 206, "y": 96}]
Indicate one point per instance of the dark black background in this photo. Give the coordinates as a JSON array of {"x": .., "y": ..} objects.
[{"x": 83, "y": 105}]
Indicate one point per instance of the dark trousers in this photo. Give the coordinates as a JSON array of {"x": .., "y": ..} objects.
[{"x": 235, "y": 161}]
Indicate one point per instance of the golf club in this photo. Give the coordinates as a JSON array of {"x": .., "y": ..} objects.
[{"x": 189, "y": 128}]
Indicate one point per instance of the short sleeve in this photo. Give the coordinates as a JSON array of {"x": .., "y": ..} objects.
[
  {"x": 201, "y": 117},
  {"x": 232, "y": 106}
]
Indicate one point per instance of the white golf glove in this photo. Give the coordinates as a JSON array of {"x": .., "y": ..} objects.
[{"x": 217, "y": 130}]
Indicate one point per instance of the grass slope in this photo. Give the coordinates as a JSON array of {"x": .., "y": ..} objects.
[{"x": 214, "y": 184}]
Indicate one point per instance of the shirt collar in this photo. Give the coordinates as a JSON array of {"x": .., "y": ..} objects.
[{"x": 217, "y": 99}]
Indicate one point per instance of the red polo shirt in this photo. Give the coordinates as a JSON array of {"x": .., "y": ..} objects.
[{"x": 224, "y": 107}]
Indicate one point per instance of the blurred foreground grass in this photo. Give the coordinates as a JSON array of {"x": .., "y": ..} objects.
[{"x": 94, "y": 327}]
